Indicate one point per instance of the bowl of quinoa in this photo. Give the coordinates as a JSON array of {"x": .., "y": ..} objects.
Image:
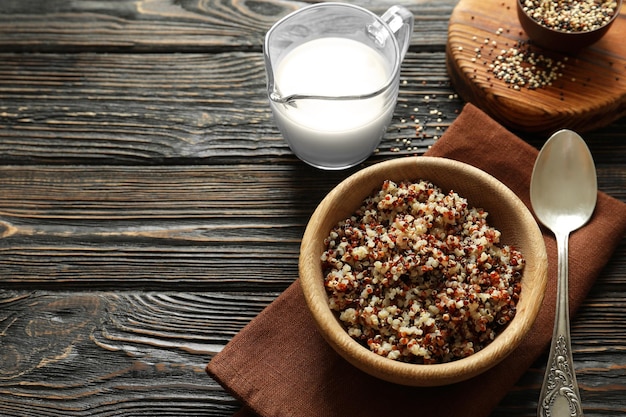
[
  {"x": 423, "y": 271},
  {"x": 567, "y": 25}
]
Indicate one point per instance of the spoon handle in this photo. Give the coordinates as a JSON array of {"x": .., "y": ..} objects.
[{"x": 559, "y": 394}]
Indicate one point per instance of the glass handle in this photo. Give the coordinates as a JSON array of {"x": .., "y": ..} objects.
[{"x": 400, "y": 21}]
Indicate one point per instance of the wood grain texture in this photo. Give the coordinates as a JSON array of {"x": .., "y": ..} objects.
[
  {"x": 590, "y": 93},
  {"x": 122, "y": 353},
  {"x": 130, "y": 226},
  {"x": 173, "y": 26},
  {"x": 149, "y": 208},
  {"x": 162, "y": 108},
  {"x": 138, "y": 26},
  {"x": 153, "y": 109},
  {"x": 136, "y": 353}
]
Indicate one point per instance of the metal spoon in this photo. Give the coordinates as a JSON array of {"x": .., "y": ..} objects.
[{"x": 563, "y": 192}]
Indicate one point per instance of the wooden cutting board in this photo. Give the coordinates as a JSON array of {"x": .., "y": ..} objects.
[{"x": 589, "y": 93}]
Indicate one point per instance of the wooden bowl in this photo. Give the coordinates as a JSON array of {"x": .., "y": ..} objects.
[
  {"x": 558, "y": 40},
  {"x": 506, "y": 212}
]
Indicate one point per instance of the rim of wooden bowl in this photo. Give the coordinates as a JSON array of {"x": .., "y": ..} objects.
[{"x": 506, "y": 212}]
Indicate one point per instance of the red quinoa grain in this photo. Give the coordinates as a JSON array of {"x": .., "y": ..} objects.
[{"x": 418, "y": 276}]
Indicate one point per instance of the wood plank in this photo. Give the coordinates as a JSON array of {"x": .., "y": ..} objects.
[
  {"x": 110, "y": 352},
  {"x": 156, "y": 108},
  {"x": 162, "y": 108},
  {"x": 138, "y": 26},
  {"x": 123, "y": 107},
  {"x": 166, "y": 26},
  {"x": 131, "y": 226},
  {"x": 194, "y": 225},
  {"x": 115, "y": 353}
]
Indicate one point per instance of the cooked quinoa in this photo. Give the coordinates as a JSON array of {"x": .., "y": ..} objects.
[{"x": 418, "y": 276}]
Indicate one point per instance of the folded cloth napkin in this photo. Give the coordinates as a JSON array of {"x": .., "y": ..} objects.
[{"x": 280, "y": 366}]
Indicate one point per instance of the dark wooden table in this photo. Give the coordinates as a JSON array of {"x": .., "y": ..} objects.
[{"x": 149, "y": 208}]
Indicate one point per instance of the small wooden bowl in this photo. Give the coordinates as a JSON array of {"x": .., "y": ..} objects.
[
  {"x": 558, "y": 40},
  {"x": 506, "y": 212}
]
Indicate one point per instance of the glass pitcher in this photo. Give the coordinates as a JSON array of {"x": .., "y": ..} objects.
[{"x": 333, "y": 74}]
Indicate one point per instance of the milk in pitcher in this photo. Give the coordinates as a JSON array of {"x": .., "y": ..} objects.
[{"x": 325, "y": 132}]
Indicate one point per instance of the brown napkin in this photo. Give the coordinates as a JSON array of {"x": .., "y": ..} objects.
[{"x": 280, "y": 366}]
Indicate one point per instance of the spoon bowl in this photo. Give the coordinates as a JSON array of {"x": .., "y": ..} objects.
[{"x": 563, "y": 193}]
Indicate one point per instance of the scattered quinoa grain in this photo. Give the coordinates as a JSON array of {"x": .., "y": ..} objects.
[{"x": 523, "y": 67}]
